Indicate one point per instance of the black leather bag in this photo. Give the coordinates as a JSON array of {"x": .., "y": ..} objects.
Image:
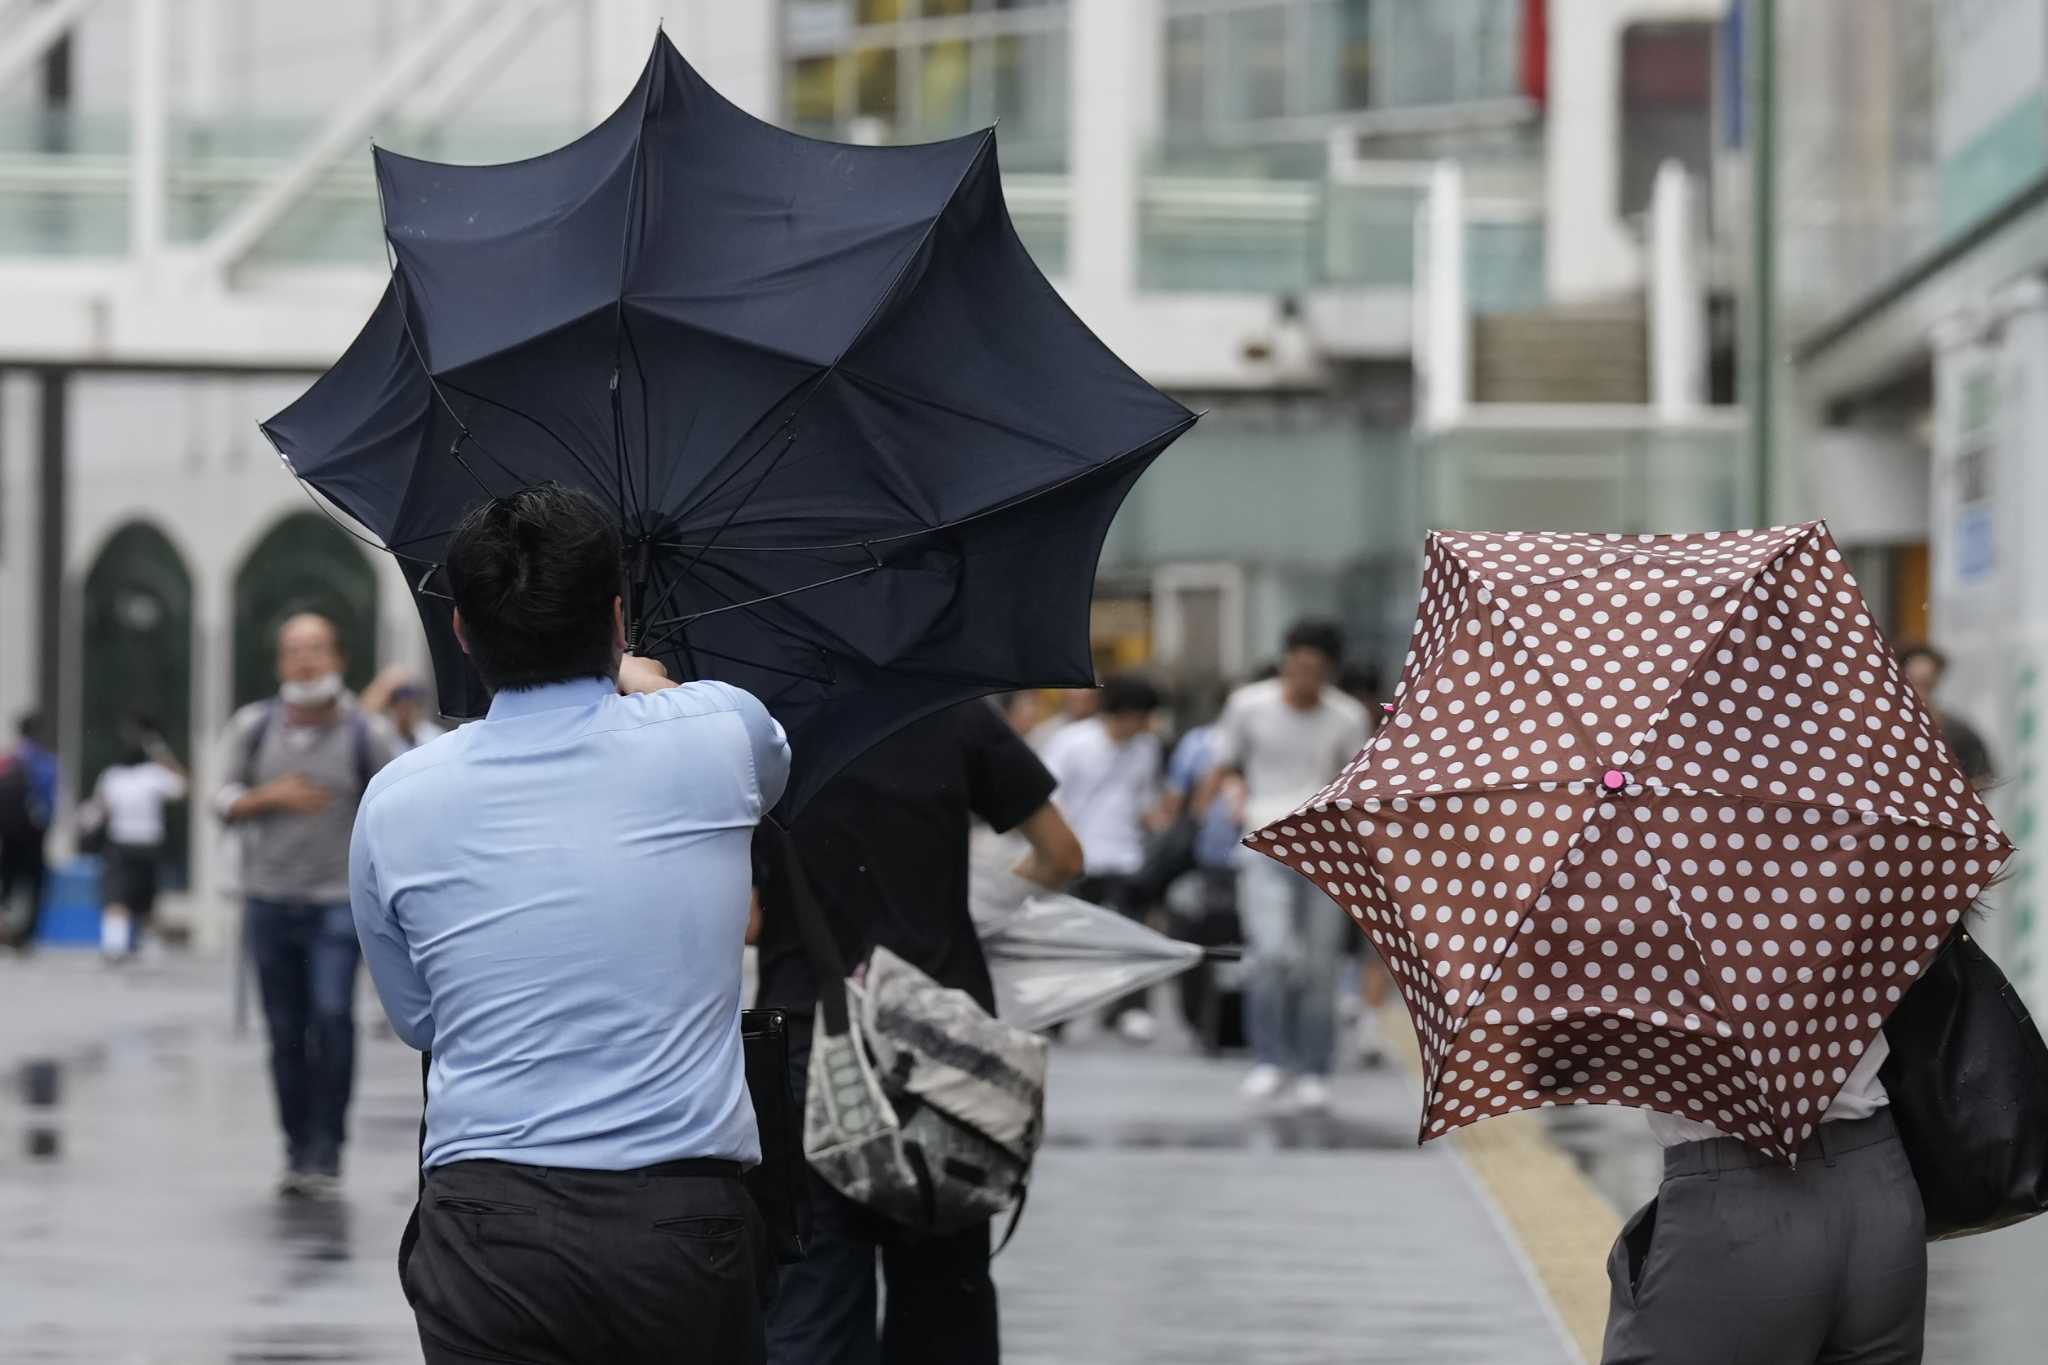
[
  {"x": 776, "y": 1183},
  {"x": 1968, "y": 1080}
]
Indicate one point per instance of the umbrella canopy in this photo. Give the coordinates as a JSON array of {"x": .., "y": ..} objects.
[
  {"x": 1656, "y": 822},
  {"x": 862, "y": 456},
  {"x": 1055, "y": 958}
]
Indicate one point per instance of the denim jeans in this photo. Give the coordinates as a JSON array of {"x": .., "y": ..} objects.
[
  {"x": 1294, "y": 937},
  {"x": 305, "y": 957}
]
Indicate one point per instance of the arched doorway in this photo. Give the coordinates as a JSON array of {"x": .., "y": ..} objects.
[
  {"x": 305, "y": 563},
  {"x": 138, "y": 662}
]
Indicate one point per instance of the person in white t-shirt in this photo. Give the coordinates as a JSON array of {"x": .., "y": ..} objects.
[
  {"x": 1108, "y": 767},
  {"x": 128, "y": 805},
  {"x": 1288, "y": 737}
]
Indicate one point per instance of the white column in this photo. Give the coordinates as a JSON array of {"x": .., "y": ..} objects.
[
  {"x": 147, "y": 131},
  {"x": 1113, "y": 85},
  {"x": 1446, "y": 320},
  {"x": 1589, "y": 255},
  {"x": 1678, "y": 307}
]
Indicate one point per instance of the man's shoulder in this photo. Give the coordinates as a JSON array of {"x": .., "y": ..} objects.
[
  {"x": 689, "y": 701},
  {"x": 1344, "y": 706},
  {"x": 1255, "y": 696},
  {"x": 435, "y": 753}
]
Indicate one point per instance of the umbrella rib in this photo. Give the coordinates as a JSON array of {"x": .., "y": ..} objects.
[
  {"x": 543, "y": 428},
  {"x": 681, "y": 623}
]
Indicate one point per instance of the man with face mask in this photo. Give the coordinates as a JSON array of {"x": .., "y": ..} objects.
[{"x": 295, "y": 766}]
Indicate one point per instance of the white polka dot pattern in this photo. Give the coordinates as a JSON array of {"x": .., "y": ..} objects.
[{"x": 1656, "y": 821}]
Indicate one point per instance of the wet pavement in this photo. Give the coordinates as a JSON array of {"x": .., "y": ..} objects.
[{"x": 1164, "y": 1225}]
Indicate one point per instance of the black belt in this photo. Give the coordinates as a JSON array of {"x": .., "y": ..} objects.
[
  {"x": 696, "y": 1165},
  {"x": 1829, "y": 1140}
]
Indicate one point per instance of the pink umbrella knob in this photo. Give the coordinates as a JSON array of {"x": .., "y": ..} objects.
[
  {"x": 1614, "y": 779},
  {"x": 1387, "y": 707}
]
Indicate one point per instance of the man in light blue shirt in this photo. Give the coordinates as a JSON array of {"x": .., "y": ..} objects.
[{"x": 553, "y": 900}]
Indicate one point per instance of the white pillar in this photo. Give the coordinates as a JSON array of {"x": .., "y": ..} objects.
[
  {"x": 147, "y": 119},
  {"x": 1111, "y": 119},
  {"x": 1446, "y": 320},
  {"x": 1678, "y": 311}
]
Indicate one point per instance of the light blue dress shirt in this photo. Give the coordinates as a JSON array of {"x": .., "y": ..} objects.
[{"x": 554, "y": 900}]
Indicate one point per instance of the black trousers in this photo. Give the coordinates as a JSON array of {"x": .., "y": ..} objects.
[
  {"x": 22, "y": 871},
  {"x": 939, "y": 1306},
  {"x": 1114, "y": 891},
  {"x": 542, "y": 1266}
]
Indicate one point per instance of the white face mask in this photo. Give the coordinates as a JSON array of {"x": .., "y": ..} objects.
[{"x": 313, "y": 692}]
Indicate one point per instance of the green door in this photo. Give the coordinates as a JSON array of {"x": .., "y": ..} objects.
[
  {"x": 306, "y": 563},
  {"x": 138, "y": 662}
]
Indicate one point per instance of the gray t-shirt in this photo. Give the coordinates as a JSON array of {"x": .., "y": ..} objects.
[
  {"x": 287, "y": 856},
  {"x": 1286, "y": 754}
]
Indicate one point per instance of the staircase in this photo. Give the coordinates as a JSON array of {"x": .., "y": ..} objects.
[{"x": 1578, "y": 355}]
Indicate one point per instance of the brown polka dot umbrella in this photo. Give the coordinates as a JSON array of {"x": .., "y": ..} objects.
[{"x": 1656, "y": 821}]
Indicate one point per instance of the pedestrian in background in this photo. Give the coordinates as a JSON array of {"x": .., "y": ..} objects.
[
  {"x": 553, "y": 901},
  {"x": 1925, "y": 667},
  {"x": 295, "y": 767},
  {"x": 885, "y": 844},
  {"x": 127, "y": 808},
  {"x": 1287, "y": 737},
  {"x": 1076, "y": 704},
  {"x": 1107, "y": 768},
  {"x": 28, "y": 802}
]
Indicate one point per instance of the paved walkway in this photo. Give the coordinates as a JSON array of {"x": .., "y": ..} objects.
[{"x": 1164, "y": 1226}]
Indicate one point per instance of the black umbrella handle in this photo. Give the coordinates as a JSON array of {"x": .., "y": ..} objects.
[{"x": 819, "y": 945}]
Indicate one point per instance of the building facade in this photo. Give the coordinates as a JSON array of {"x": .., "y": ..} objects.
[{"x": 1915, "y": 321}]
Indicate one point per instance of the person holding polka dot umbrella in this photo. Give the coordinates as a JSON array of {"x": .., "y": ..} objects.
[{"x": 1657, "y": 821}]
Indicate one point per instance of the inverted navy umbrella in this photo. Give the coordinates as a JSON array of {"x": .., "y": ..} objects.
[{"x": 862, "y": 455}]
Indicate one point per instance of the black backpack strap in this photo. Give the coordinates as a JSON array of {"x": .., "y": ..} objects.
[
  {"x": 819, "y": 945},
  {"x": 1016, "y": 1215},
  {"x": 252, "y": 744}
]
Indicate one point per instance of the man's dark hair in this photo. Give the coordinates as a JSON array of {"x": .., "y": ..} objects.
[
  {"x": 1322, "y": 636},
  {"x": 1127, "y": 695},
  {"x": 1910, "y": 650},
  {"x": 29, "y": 725},
  {"x": 534, "y": 575}
]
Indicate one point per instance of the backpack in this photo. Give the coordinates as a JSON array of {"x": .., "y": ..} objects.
[{"x": 359, "y": 737}]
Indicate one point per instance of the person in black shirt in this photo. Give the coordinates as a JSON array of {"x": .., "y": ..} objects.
[{"x": 885, "y": 845}]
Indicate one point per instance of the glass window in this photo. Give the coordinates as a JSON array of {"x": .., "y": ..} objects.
[
  {"x": 1185, "y": 75},
  {"x": 945, "y": 8},
  {"x": 874, "y": 83},
  {"x": 880, "y": 11},
  {"x": 816, "y": 21},
  {"x": 1251, "y": 70},
  {"x": 813, "y": 94},
  {"x": 944, "y": 80}
]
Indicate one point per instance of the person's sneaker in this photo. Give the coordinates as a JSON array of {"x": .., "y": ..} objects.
[
  {"x": 1262, "y": 1083},
  {"x": 319, "y": 1187},
  {"x": 1137, "y": 1026},
  {"x": 1311, "y": 1095},
  {"x": 292, "y": 1184}
]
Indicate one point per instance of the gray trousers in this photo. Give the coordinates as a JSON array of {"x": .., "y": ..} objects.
[{"x": 1742, "y": 1261}]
